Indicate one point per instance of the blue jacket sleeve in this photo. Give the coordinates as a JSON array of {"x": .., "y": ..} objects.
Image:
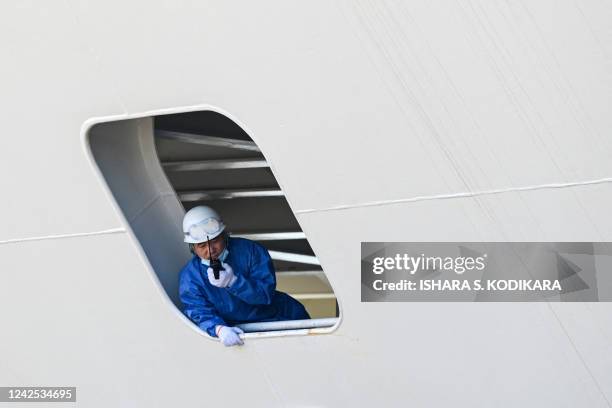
[
  {"x": 258, "y": 286},
  {"x": 196, "y": 307}
]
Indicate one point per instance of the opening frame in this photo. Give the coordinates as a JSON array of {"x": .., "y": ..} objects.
[{"x": 85, "y": 135}]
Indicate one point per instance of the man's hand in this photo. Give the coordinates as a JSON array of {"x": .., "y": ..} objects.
[
  {"x": 229, "y": 336},
  {"x": 226, "y": 277}
]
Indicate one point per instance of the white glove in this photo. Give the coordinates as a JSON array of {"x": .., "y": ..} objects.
[
  {"x": 226, "y": 277},
  {"x": 229, "y": 336}
]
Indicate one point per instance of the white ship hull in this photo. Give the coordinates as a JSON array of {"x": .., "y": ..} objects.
[{"x": 382, "y": 121}]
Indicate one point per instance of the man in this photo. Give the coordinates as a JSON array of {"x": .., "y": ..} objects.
[{"x": 246, "y": 288}]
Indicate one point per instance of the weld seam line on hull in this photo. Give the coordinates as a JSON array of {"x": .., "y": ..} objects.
[
  {"x": 578, "y": 354},
  {"x": 60, "y": 236},
  {"x": 457, "y": 195}
]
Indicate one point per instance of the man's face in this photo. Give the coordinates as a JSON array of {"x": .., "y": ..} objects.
[{"x": 217, "y": 245}]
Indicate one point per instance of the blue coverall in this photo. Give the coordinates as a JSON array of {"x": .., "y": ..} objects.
[{"x": 252, "y": 298}]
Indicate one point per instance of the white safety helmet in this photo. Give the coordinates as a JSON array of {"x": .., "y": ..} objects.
[{"x": 202, "y": 223}]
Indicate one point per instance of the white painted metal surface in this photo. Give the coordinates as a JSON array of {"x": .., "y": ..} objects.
[
  {"x": 187, "y": 196},
  {"x": 271, "y": 236},
  {"x": 382, "y": 121},
  {"x": 207, "y": 140},
  {"x": 214, "y": 165},
  {"x": 288, "y": 325}
]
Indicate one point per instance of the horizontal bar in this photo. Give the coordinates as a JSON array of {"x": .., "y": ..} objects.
[
  {"x": 281, "y": 333},
  {"x": 312, "y": 296},
  {"x": 196, "y": 165},
  {"x": 292, "y": 257},
  {"x": 207, "y": 140},
  {"x": 187, "y": 196},
  {"x": 272, "y": 236},
  {"x": 288, "y": 325},
  {"x": 300, "y": 273}
]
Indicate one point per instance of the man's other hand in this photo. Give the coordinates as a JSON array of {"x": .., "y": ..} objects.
[{"x": 229, "y": 336}]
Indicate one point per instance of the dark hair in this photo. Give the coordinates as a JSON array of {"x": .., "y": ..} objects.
[{"x": 226, "y": 235}]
